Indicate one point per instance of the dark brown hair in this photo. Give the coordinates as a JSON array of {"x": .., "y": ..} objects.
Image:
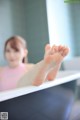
[{"x": 15, "y": 42}]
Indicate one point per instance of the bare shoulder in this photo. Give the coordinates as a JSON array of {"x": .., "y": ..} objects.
[{"x": 29, "y": 66}]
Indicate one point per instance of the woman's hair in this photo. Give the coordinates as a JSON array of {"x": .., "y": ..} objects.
[{"x": 15, "y": 42}]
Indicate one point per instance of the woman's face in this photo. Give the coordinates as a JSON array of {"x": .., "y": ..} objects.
[{"x": 15, "y": 57}]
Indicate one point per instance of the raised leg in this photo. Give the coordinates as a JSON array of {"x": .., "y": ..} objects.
[
  {"x": 37, "y": 75},
  {"x": 61, "y": 50}
]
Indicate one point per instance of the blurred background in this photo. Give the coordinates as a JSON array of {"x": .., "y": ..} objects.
[{"x": 40, "y": 22}]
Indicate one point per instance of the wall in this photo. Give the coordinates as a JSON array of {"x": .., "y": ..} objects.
[
  {"x": 36, "y": 29},
  {"x": 60, "y": 24},
  {"x": 75, "y": 15},
  {"x": 6, "y": 28},
  {"x": 18, "y": 14}
]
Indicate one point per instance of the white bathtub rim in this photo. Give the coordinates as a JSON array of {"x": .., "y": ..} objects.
[{"x": 9, "y": 94}]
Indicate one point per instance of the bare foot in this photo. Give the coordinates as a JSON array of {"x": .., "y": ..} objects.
[
  {"x": 59, "y": 52},
  {"x": 63, "y": 50},
  {"x": 53, "y": 56},
  {"x": 44, "y": 66}
]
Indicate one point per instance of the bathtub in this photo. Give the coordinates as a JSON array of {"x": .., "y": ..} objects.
[
  {"x": 62, "y": 77},
  {"x": 33, "y": 102}
]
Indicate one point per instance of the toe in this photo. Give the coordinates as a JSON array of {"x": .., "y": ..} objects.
[{"x": 47, "y": 47}]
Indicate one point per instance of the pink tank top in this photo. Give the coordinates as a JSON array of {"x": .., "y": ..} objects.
[{"x": 11, "y": 76}]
